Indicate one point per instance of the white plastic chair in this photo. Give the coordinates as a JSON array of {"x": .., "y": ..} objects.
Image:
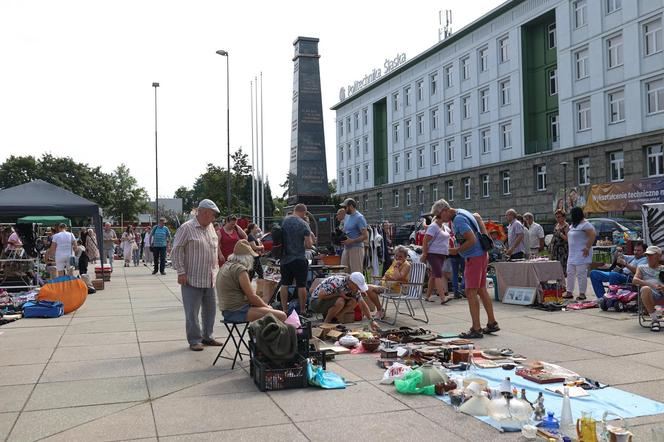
[{"x": 411, "y": 291}]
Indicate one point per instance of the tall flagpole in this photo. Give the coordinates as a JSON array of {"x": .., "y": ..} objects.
[
  {"x": 258, "y": 193},
  {"x": 253, "y": 161},
  {"x": 262, "y": 162}
]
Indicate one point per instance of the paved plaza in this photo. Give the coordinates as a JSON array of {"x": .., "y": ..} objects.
[{"x": 119, "y": 369}]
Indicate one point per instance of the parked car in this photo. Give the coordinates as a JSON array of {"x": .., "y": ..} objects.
[
  {"x": 267, "y": 241},
  {"x": 635, "y": 225},
  {"x": 606, "y": 226},
  {"x": 402, "y": 233}
]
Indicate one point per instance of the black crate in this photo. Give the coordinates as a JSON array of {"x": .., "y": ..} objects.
[
  {"x": 303, "y": 336},
  {"x": 269, "y": 378}
]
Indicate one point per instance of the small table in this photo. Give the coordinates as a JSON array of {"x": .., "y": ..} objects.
[{"x": 526, "y": 274}]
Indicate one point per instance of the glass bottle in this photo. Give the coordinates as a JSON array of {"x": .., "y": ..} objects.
[{"x": 567, "y": 427}]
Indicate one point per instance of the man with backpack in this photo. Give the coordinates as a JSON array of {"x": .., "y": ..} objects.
[
  {"x": 474, "y": 244},
  {"x": 296, "y": 237}
]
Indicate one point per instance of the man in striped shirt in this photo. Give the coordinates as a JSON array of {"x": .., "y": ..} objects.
[{"x": 194, "y": 257}]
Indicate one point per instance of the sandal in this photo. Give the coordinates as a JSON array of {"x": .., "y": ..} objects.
[
  {"x": 471, "y": 334},
  {"x": 581, "y": 297},
  {"x": 491, "y": 328},
  {"x": 428, "y": 299},
  {"x": 568, "y": 295},
  {"x": 654, "y": 326},
  {"x": 444, "y": 301}
]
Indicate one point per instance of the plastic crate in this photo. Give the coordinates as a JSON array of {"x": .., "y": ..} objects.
[
  {"x": 268, "y": 378},
  {"x": 303, "y": 336}
]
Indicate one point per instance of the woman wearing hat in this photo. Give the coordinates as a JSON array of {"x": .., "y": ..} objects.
[{"x": 237, "y": 300}]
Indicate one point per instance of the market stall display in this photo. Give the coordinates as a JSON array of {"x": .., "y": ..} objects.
[
  {"x": 72, "y": 292},
  {"x": 526, "y": 274}
]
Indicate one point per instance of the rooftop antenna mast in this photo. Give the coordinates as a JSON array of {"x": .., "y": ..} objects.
[{"x": 445, "y": 30}]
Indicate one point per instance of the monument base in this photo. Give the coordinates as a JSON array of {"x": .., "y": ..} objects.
[{"x": 321, "y": 221}]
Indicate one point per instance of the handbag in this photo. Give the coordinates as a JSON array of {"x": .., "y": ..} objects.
[{"x": 485, "y": 241}]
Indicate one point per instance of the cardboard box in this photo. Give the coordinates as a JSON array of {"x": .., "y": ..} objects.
[
  {"x": 347, "y": 318},
  {"x": 265, "y": 288},
  {"x": 98, "y": 284}
]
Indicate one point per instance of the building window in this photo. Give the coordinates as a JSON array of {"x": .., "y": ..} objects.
[
  {"x": 583, "y": 170},
  {"x": 419, "y": 120},
  {"x": 348, "y": 151},
  {"x": 617, "y": 165},
  {"x": 466, "y": 188},
  {"x": 407, "y": 195},
  {"x": 465, "y": 68},
  {"x": 396, "y": 164},
  {"x": 420, "y": 195},
  {"x": 616, "y": 106},
  {"x": 365, "y": 204},
  {"x": 449, "y": 111},
  {"x": 357, "y": 148},
  {"x": 409, "y": 161},
  {"x": 395, "y": 132},
  {"x": 449, "y": 148},
  {"x": 408, "y": 125},
  {"x": 433, "y": 191},
  {"x": 433, "y": 81},
  {"x": 350, "y": 177},
  {"x": 465, "y": 105},
  {"x": 655, "y": 160},
  {"x": 420, "y": 90},
  {"x": 504, "y": 49},
  {"x": 485, "y": 186},
  {"x": 581, "y": 63},
  {"x": 467, "y": 146},
  {"x": 366, "y": 172},
  {"x": 613, "y": 5},
  {"x": 655, "y": 95},
  {"x": 341, "y": 179},
  {"x": 552, "y": 35},
  {"x": 484, "y": 59},
  {"x": 434, "y": 118},
  {"x": 506, "y": 182},
  {"x": 652, "y": 37},
  {"x": 348, "y": 125},
  {"x": 395, "y": 101},
  {"x": 420, "y": 158},
  {"x": 395, "y": 198},
  {"x": 554, "y": 128},
  {"x": 582, "y": 115},
  {"x": 341, "y": 128},
  {"x": 356, "y": 120},
  {"x": 485, "y": 137},
  {"x": 580, "y": 13},
  {"x": 614, "y": 49},
  {"x": 540, "y": 177},
  {"x": 484, "y": 100},
  {"x": 553, "y": 81},
  {"x": 379, "y": 200},
  {"x": 505, "y": 93},
  {"x": 506, "y": 135},
  {"x": 406, "y": 96},
  {"x": 341, "y": 153},
  {"x": 449, "y": 185},
  {"x": 449, "y": 76},
  {"x": 357, "y": 175},
  {"x": 435, "y": 154},
  {"x": 365, "y": 142},
  {"x": 365, "y": 117}
]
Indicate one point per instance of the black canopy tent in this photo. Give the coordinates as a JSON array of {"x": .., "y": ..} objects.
[{"x": 41, "y": 198}]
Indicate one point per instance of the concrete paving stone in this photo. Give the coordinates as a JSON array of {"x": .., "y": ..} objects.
[
  {"x": 651, "y": 389},
  {"x": 163, "y": 335},
  {"x": 648, "y": 432},
  {"x": 165, "y": 384},
  {"x": 464, "y": 427},
  {"x": 175, "y": 356},
  {"x": 411, "y": 401},
  {"x": 365, "y": 368},
  {"x": 179, "y": 415},
  {"x": 28, "y": 338},
  {"x": 652, "y": 358},
  {"x": 94, "y": 352},
  {"x": 97, "y": 339},
  {"x": 26, "y": 356},
  {"x": 161, "y": 325},
  {"x": 101, "y": 325},
  {"x": 87, "y": 392},
  {"x": 22, "y": 374},
  {"x": 34, "y": 425},
  {"x": 129, "y": 423},
  {"x": 39, "y": 322},
  {"x": 170, "y": 316},
  {"x": 305, "y": 404},
  {"x": 615, "y": 370},
  {"x": 97, "y": 369},
  {"x": 277, "y": 433},
  {"x": 14, "y": 397},
  {"x": 341, "y": 371},
  {"x": 96, "y": 312},
  {"x": 226, "y": 382},
  {"x": 396, "y": 425},
  {"x": 6, "y": 422}
]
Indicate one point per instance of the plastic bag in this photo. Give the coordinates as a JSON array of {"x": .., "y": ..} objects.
[
  {"x": 396, "y": 371},
  {"x": 408, "y": 384},
  {"x": 294, "y": 320},
  {"x": 324, "y": 379}
]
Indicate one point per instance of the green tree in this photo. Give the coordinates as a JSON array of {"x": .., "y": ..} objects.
[
  {"x": 18, "y": 170},
  {"x": 127, "y": 199},
  {"x": 187, "y": 196}
]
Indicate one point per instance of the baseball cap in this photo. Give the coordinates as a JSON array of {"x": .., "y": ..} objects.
[
  {"x": 653, "y": 250},
  {"x": 242, "y": 247},
  {"x": 348, "y": 201},
  {"x": 359, "y": 281},
  {"x": 208, "y": 204}
]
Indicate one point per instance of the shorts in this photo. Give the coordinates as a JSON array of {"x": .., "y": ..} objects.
[
  {"x": 295, "y": 270},
  {"x": 353, "y": 259},
  {"x": 656, "y": 295},
  {"x": 436, "y": 261},
  {"x": 474, "y": 275},
  {"x": 62, "y": 263},
  {"x": 239, "y": 315}
]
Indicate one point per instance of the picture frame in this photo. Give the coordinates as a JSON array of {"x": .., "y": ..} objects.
[{"x": 520, "y": 295}]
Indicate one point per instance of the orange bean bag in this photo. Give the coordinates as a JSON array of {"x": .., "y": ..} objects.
[{"x": 71, "y": 291}]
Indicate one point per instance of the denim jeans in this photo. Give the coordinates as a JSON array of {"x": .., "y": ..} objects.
[
  {"x": 159, "y": 259},
  {"x": 598, "y": 278},
  {"x": 458, "y": 265}
]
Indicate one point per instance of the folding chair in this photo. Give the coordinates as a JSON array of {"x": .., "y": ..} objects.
[
  {"x": 410, "y": 291},
  {"x": 237, "y": 336},
  {"x": 644, "y": 317}
]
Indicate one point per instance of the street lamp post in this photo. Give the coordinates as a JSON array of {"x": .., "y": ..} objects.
[
  {"x": 228, "y": 131},
  {"x": 156, "y": 162},
  {"x": 564, "y": 164}
]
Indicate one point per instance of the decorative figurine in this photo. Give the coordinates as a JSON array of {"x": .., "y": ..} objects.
[{"x": 540, "y": 411}]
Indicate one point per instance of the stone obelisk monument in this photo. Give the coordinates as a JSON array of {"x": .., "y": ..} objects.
[{"x": 308, "y": 168}]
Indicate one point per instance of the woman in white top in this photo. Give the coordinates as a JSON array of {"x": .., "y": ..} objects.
[
  {"x": 63, "y": 247},
  {"x": 435, "y": 249},
  {"x": 128, "y": 241},
  {"x": 147, "y": 252},
  {"x": 580, "y": 238}
]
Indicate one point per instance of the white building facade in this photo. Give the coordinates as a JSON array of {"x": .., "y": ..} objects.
[{"x": 486, "y": 117}]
